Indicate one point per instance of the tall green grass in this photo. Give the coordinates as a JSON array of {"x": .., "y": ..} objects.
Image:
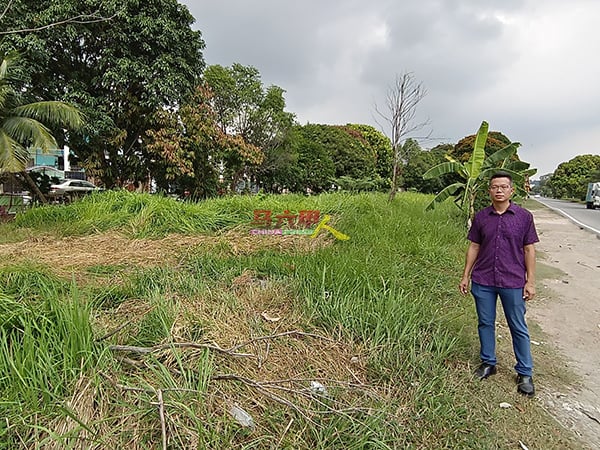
[
  {"x": 145, "y": 215},
  {"x": 389, "y": 290},
  {"x": 44, "y": 345}
]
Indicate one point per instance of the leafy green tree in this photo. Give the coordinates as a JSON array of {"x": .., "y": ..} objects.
[
  {"x": 349, "y": 151},
  {"x": 420, "y": 162},
  {"x": 193, "y": 153},
  {"x": 570, "y": 179},
  {"x": 476, "y": 172},
  {"x": 594, "y": 176},
  {"x": 23, "y": 124},
  {"x": 118, "y": 71},
  {"x": 314, "y": 168},
  {"x": 353, "y": 156},
  {"x": 544, "y": 185},
  {"x": 245, "y": 108},
  {"x": 463, "y": 148},
  {"x": 382, "y": 148}
]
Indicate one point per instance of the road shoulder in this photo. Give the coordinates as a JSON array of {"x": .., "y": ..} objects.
[{"x": 567, "y": 310}]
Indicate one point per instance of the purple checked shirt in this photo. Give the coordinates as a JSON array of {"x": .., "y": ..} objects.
[{"x": 501, "y": 237}]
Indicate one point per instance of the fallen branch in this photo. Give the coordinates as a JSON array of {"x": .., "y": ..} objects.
[
  {"x": 278, "y": 335},
  {"x": 232, "y": 351},
  {"x": 285, "y": 431},
  {"x": 160, "y": 347},
  {"x": 161, "y": 413},
  {"x": 260, "y": 388},
  {"x": 264, "y": 386},
  {"x": 113, "y": 332}
]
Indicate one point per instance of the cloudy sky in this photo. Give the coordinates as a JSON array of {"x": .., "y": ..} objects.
[{"x": 528, "y": 67}]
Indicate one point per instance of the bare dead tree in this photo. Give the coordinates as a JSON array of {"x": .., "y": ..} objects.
[
  {"x": 402, "y": 100},
  {"x": 80, "y": 19}
]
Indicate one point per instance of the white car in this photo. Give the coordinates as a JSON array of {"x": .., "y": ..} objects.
[{"x": 72, "y": 187}]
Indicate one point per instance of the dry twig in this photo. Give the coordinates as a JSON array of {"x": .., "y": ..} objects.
[
  {"x": 160, "y": 347},
  {"x": 161, "y": 413},
  {"x": 275, "y": 336}
]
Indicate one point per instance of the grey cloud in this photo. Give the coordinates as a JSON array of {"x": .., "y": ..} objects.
[{"x": 525, "y": 66}]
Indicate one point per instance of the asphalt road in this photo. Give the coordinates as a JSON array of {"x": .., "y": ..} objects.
[{"x": 576, "y": 212}]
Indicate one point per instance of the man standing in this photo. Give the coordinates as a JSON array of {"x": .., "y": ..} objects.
[{"x": 500, "y": 261}]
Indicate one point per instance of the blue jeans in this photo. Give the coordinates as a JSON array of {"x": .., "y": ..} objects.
[{"x": 514, "y": 311}]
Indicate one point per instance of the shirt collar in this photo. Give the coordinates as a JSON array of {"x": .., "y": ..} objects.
[{"x": 511, "y": 209}]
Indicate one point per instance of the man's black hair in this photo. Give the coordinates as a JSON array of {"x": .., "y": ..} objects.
[{"x": 501, "y": 174}]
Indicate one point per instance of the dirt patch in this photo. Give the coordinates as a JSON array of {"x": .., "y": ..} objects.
[{"x": 567, "y": 309}]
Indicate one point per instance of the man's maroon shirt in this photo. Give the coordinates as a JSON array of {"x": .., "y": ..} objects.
[{"x": 501, "y": 237}]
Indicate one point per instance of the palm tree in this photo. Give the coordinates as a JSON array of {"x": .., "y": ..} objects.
[{"x": 23, "y": 125}]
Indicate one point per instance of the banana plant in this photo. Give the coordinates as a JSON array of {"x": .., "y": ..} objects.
[{"x": 476, "y": 172}]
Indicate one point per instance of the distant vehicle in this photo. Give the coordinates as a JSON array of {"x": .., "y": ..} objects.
[
  {"x": 67, "y": 187},
  {"x": 592, "y": 198}
]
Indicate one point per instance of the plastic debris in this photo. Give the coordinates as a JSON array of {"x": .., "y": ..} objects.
[
  {"x": 265, "y": 315},
  {"x": 505, "y": 405},
  {"x": 535, "y": 342},
  {"x": 318, "y": 388},
  {"x": 241, "y": 416},
  {"x": 523, "y": 446}
]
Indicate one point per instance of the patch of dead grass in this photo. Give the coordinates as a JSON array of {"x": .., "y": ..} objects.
[
  {"x": 72, "y": 255},
  {"x": 251, "y": 313}
]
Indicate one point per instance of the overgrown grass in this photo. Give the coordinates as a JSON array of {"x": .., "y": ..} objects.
[
  {"x": 397, "y": 361},
  {"x": 145, "y": 215}
]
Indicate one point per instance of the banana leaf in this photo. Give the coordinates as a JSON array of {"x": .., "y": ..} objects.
[
  {"x": 475, "y": 162},
  {"x": 444, "y": 168},
  {"x": 502, "y": 154},
  {"x": 445, "y": 193}
]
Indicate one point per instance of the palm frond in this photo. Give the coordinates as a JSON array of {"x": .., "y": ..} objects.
[
  {"x": 517, "y": 166},
  {"x": 477, "y": 158},
  {"x": 13, "y": 156},
  {"x": 56, "y": 113},
  {"x": 29, "y": 132}
]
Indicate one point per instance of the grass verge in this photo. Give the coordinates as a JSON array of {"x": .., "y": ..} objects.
[{"x": 362, "y": 343}]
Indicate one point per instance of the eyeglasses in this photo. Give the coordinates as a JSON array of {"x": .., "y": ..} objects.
[{"x": 503, "y": 187}]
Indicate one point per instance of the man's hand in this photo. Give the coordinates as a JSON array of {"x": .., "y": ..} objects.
[
  {"x": 463, "y": 287},
  {"x": 529, "y": 291}
]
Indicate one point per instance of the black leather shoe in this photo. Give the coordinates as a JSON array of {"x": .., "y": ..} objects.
[
  {"x": 525, "y": 385},
  {"x": 484, "y": 371}
]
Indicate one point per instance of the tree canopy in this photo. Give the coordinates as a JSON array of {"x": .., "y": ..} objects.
[
  {"x": 570, "y": 179},
  {"x": 244, "y": 107},
  {"x": 192, "y": 153},
  {"x": 118, "y": 71},
  {"x": 463, "y": 148}
]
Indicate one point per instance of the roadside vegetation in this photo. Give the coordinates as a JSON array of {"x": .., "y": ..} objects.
[{"x": 137, "y": 321}]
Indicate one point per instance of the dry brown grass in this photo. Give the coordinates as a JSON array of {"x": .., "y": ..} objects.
[
  {"x": 73, "y": 254},
  {"x": 249, "y": 309}
]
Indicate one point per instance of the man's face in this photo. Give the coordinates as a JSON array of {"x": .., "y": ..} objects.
[{"x": 500, "y": 189}]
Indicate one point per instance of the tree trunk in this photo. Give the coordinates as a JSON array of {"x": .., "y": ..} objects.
[
  {"x": 394, "y": 187},
  {"x": 34, "y": 187}
]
